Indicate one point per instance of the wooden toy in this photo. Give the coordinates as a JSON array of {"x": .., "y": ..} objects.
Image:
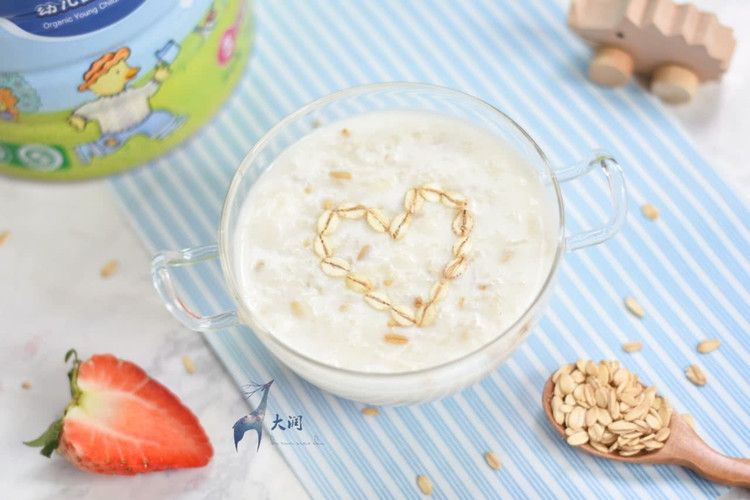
[{"x": 677, "y": 45}]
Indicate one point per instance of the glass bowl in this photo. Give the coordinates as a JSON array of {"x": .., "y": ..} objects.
[{"x": 406, "y": 387}]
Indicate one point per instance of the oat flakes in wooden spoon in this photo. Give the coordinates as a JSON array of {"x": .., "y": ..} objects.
[{"x": 634, "y": 427}]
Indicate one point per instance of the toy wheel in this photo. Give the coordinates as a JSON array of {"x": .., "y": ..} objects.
[
  {"x": 673, "y": 83},
  {"x": 610, "y": 66}
]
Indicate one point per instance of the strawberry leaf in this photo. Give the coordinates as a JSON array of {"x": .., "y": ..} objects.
[
  {"x": 48, "y": 440},
  {"x": 75, "y": 392},
  {"x": 71, "y": 352}
]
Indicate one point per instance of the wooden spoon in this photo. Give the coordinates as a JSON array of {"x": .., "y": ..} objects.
[{"x": 683, "y": 447}]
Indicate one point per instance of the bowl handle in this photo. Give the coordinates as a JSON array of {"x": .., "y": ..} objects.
[
  {"x": 617, "y": 192},
  {"x": 161, "y": 274}
]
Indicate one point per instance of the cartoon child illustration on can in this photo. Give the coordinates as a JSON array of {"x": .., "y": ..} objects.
[
  {"x": 16, "y": 97},
  {"x": 207, "y": 24},
  {"x": 8, "y": 111},
  {"x": 122, "y": 111}
]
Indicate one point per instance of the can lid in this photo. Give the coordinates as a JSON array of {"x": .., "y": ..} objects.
[
  {"x": 79, "y": 30},
  {"x": 65, "y": 18}
]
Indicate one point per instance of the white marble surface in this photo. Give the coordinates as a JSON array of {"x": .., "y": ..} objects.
[{"x": 52, "y": 298}]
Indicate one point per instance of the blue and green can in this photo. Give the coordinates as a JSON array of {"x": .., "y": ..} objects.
[{"x": 93, "y": 87}]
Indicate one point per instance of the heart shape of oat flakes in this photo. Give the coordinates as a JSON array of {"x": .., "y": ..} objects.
[{"x": 396, "y": 228}]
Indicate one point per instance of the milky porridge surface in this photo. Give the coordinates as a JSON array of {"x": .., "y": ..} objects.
[{"x": 280, "y": 278}]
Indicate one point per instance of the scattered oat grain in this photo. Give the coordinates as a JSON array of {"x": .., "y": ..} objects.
[
  {"x": 343, "y": 307},
  {"x": 26, "y": 384},
  {"x": 296, "y": 309},
  {"x": 307, "y": 242},
  {"x": 346, "y": 132},
  {"x": 650, "y": 211},
  {"x": 189, "y": 364},
  {"x": 109, "y": 269},
  {"x": 341, "y": 174},
  {"x": 4, "y": 235},
  {"x": 709, "y": 345},
  {"x": 689, "y": 419},
  {"x": 483, "y": 287},
  {"x": 363, "y": 252},
  {"x": 492, "y": 460},
  {"x": 633, "y": 346},
  {"x": 461, "y": 302},
  {"x": 395, "y": 338},
  {"x": 308, "y": 190},
  {"x": 387, "y": 282},
  {"x": 370, "y": 412},
  {"x": 695, "y": 375},
  {"x": 425, "y": 484},
  {"x": 634, "y": 307}
]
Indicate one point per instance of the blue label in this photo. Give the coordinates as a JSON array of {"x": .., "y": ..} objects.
[{"x": 61, "y": 18}]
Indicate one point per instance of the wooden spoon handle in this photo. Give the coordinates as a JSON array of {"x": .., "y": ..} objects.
[
  {"x": 719, "y": 468},
  {"x": 692, "y": 452}
]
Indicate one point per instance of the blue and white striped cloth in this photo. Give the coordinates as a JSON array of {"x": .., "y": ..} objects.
[{"x": 689, "y": 269}]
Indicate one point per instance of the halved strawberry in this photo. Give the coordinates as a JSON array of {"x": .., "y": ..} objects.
[{"x": 121, "y": 421}]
